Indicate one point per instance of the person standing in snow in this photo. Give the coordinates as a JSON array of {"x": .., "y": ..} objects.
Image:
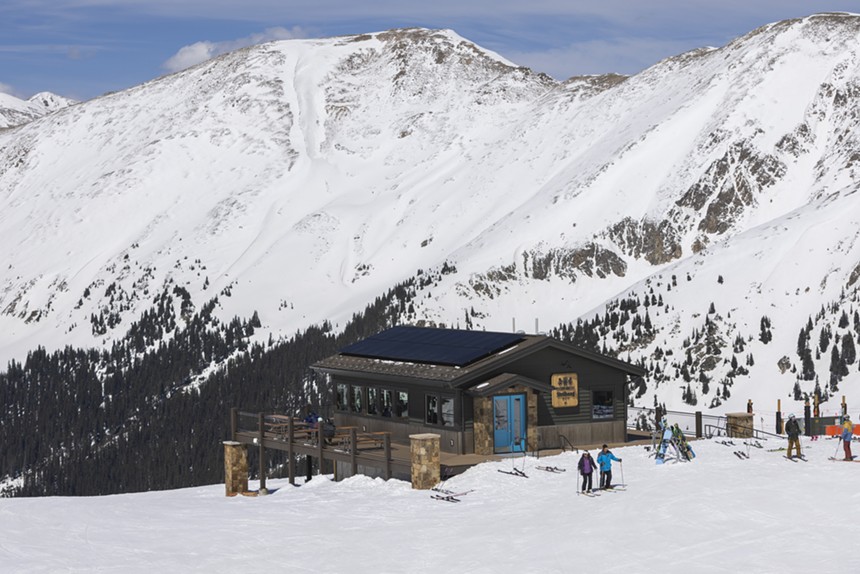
[
  {"x": 847, "y": 433},
  {"x": 604, "y": 459},
  {"x": 586, "y": 468},
  {"x": 792, "y": 429}
]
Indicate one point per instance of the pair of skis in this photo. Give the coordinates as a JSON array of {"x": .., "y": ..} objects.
[
  {"x": 741, "y": 455},
  {"x": 796, "y": 458},
  {"x": 449, "y": 495},
  {"x": 554, "y": 469},
  {"x": 515, "y": 472},
  {"x": 834, "y": 459},
  {"x": 598, "y": 491}
]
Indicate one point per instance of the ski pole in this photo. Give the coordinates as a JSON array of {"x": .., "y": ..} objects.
[
  {"x": 838, "y": 440},
  {"x": 621, "y": 464}
]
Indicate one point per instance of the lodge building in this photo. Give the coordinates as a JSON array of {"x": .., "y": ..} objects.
[{"x": 483, "y": 392}]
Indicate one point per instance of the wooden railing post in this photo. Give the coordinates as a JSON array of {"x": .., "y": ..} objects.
[
  {"x": 262, "y": 453},
  {"x": 291, "y": 462},
  {"x": 320, "y": 442},
  {"x": 698, "y": 424},
  {"x": 386, "y": 444},
  {"x": 353, "y": 447}
]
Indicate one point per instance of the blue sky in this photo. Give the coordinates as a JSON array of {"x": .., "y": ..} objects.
[{"x": 84, "y": 48}]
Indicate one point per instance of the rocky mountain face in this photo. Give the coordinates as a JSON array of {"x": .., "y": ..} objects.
[{"x": 700, "y": 217}]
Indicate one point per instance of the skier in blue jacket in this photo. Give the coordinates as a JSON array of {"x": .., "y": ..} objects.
[{"x": 604, "y": 459}]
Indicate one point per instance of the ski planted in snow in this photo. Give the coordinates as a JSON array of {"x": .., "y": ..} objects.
[{"x": 741, "y": 455}]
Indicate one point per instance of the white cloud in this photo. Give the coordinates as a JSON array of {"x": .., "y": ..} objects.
[
  {"x": 198, "y": 52},
  {"x": 7, "y": 89}
]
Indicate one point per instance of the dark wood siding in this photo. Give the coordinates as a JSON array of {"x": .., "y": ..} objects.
[{"x": 591, "y": 374}]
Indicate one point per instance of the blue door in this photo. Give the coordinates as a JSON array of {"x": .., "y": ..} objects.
[{"x": 509, "y": 423}]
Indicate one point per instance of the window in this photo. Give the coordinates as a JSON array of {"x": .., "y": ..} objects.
[
  {"x": 447, "y": 411},
  {"x": 401, "y": 409},
  {"x": 431, "y": 410},
  {"x": 342, "y": 394},
  {"x": 387, "y": 403},
  {"x": 372, "y": 401},
  {"x": 439, "y": 410},
  {"x": 602, "y": 405},
  {"x": 355, "y": 403}
]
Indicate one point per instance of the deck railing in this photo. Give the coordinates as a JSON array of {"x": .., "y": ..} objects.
[{"x": 343, "y": 445}]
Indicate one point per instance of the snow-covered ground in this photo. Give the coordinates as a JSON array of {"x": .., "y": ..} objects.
[{"x": 715, "y": 514}]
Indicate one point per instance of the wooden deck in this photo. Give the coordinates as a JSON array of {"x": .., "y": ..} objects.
[{"x": 356, "y": 450}]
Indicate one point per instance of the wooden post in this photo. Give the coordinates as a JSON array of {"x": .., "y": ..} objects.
[
  {"x": 353, "y": 452},
  {"x": 698, "y": 424},
  {"x": 844, "y": 406},
  {"x": 386, "y": 443},
  {"x": 778, "y": 416},
  {"x": 234, "y": 422},
  {"x": 262, "y": 454},
  {"x": 291, "y": 461},
  {"x": 807, "y": 418},
  {"x": 320, "y": 442},
  {"x": 749, "y": 406}
]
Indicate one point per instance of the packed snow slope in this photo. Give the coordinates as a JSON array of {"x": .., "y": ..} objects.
[
  {"x": 715, "y": 514},
  {"x": 301, "y": 179}
]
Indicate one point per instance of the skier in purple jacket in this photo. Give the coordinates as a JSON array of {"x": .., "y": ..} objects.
[{"x": 586, "y": 468}]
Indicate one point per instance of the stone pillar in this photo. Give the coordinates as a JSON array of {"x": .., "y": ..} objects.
[
  {"x": 426, "y": 466},
  {"x": 739, "y": 425},
  {"x": 235, "y": 467},
  {"x": 482, "y": 410}
]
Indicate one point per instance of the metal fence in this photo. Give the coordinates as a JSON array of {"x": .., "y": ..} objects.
[{"x": 644, "y": 419}]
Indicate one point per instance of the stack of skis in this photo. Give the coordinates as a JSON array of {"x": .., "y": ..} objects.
[{"x": 673, "y": 436}]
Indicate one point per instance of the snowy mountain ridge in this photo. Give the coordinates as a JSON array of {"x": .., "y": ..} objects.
[
  {"x": 301, "y": 179},
  {"x": 15, "y": 111}
]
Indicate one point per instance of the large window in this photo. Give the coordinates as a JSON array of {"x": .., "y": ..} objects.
[
  {"x": 342, "y": 400},
  {"x": 602, "y": 405},
  {"x": 372, "y": 401},
  {"x": 387, "y": 400},
  {"x": 431, "y": 409},
  {"x": 447, "y": 411},
  {"x": 439, "y": 410},
  {"x": 401, "y": 408},
  {"x": 356, "y": 402}
]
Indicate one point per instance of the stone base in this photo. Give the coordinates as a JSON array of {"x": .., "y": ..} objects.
[
  {"x": 426, "y": 461},
  {"x": 235, "y": 468}
]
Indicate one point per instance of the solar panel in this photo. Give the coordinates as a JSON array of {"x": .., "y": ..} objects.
[{"x": 436, "y": 346}]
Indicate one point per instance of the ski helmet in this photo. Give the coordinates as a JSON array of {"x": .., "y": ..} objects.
[
  {"x": 847, "y": 417},
  {"x": 791, "y": 416}
]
